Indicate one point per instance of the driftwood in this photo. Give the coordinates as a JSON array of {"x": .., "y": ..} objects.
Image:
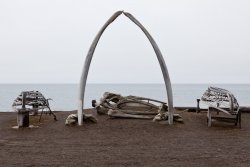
[
  {"x": 221, "y": 101},
  {"x": 90, "y": 54},
  {"x": 118, "y": 106},
  {"x": 33, "y": 101}
]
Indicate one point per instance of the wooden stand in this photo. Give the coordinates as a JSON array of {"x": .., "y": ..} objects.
[
  {"x": 227, "y": 117},
  {"x": 23, "y": 114},
  {"x": 22, "y": 118},
  {"x": 198, "y": 106}
]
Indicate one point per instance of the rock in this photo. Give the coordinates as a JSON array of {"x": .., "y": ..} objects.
[
  {"x": 164, "y": 117},
  {"x": 89, "y": 117},
  {"x": 72, "y": 119}
]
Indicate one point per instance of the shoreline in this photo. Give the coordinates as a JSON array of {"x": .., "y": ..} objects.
[{"x": 244, "y": 109}]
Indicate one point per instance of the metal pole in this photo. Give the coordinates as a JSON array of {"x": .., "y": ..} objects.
[{"x": 23, "y": 113}]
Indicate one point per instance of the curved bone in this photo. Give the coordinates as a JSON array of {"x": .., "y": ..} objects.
[
  {"x": 157, "y": 52},
  {"x": 136, "y": 103},
  {"x": 146, "y": 99},
  {"x": 133, "y": 112},
  {"x": 120, "y": 114},
  {"x": 87, "y": 64},
  {"x": 162, "y": 64}
]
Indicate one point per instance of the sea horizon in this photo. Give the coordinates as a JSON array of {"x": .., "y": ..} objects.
[{"x": 65, "y": 95}]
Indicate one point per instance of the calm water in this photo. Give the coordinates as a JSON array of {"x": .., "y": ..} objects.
[{"x": 65, "y": 95}]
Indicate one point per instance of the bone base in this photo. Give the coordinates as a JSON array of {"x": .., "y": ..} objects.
[
  {"x": 164, "y": 116},
  {"x": 73, "y": 119}
]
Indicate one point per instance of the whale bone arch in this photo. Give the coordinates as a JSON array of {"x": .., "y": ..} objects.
[{"x": 91, "y": 51}]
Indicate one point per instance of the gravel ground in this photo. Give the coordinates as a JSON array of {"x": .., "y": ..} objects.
[{"x": 124, "y": 142}]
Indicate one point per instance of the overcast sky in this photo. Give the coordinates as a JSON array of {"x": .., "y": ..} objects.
[{"x": 46, "y": 41}]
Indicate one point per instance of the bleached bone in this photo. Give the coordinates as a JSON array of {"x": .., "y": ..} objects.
[
  {"x": 164, "y": 117},
  {"x": 133, "y": 112},
  {"x": 118, "y": 106},
  {"x": 72, "y": 119},
  {"x": 133, "y": 103},
  {"x": 90, "y": 54},
  {"x": 118, "y": 102},
  {"x": 120, "y": 114}
]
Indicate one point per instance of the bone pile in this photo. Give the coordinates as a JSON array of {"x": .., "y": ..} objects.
[{"x": 118, "y": 106}]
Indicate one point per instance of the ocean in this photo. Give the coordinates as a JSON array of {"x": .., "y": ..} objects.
[{"x": 65, "y": 96}]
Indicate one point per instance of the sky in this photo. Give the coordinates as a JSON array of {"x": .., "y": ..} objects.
[{"x": 46, "y": 41}]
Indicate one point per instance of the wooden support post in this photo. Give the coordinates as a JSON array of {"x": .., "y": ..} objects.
[
  {"x": 23, "y": 114},
  {"x": 209, "y": 118},
  {"x": 35, "y": 107},
  {"x": 198, "y": 106},
  {"x": 239, "y": 118}
]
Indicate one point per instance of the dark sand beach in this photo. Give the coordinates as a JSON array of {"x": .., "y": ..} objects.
[{"x": 124, "y": 142}]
